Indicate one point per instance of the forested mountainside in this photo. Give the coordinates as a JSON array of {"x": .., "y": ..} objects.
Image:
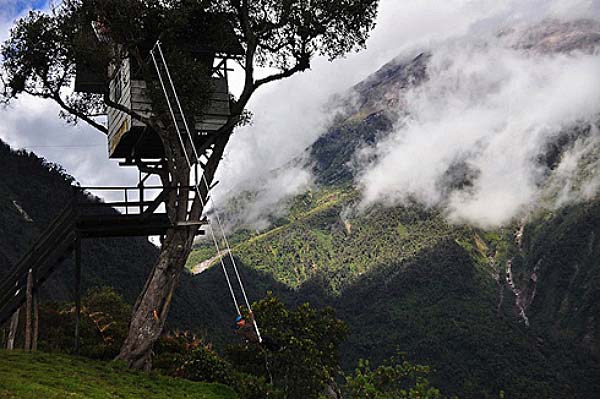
[{"x": 512, "y": 308}]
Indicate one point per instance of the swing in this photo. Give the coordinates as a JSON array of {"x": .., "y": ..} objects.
[{"x": 239, "y": 317}]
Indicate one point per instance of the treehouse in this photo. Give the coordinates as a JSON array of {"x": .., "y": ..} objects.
[{"x": 210, "y": 40}]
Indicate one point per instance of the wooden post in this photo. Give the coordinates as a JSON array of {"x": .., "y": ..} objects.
[
  {"x": 36, "y": 321},
  {"x": 12, "y": 332},
  {"x": 77, "y": 291},
  {"x": 28, "y": 310}
]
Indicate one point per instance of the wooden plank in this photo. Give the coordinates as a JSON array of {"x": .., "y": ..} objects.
[
  {"x": 140, "y": 98},
  {"x": 36, "y": 321},
  {"x": 210, "y": 127},
  {"x": 29, "y": 311},
  {"x": 139, "y": 84},
  {"x": 12, "y": 331},
  {"x": 77, "y": 292},
  {"x": 141, "y": 107}
]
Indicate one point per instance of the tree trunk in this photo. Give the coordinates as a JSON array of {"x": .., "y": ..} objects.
[
  {"x": 151, "y": 311},
  {"x": 152, "y": 307}
]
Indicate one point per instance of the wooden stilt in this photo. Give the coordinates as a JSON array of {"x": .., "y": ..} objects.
[
  {"x": 77, "y": 292},
  {"x": 36, "y": 321},
  {"x": 12, "y": 332},
  {"x": 28, "y": 311}
]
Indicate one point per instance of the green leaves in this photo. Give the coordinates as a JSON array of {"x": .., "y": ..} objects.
[
  {"x": 300, "y": 355},
  {"x": 397, "y": 378}
]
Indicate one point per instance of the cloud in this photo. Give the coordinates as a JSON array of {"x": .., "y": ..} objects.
[
  {"x": 289, "y": 115},
  {"x": 487, "y": 112},
  {"x": 33, "y": 124}
]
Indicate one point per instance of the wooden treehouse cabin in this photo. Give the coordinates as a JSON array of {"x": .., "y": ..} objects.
[{"x": 211, "y": 41}]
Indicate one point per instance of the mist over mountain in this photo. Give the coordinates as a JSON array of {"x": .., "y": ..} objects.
[
  {"x": 486, "y": 129},
  {"x": 450, "y": 210}
]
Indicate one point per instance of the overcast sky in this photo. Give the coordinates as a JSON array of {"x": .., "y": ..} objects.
[{"x": 289, "y": 115}]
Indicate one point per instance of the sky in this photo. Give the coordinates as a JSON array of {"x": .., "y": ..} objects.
[{"x": 290, "y": 115}]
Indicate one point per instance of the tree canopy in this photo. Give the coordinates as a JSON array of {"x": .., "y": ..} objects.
[{"x": 41, "y": 55}]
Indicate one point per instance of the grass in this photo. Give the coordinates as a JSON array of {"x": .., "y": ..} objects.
[{"x": 40, "y": 375}]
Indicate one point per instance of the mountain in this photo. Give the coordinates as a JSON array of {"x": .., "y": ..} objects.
[{"x": 512, "y": 308}]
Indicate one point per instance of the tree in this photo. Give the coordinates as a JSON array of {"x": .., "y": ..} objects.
[
  {"x": 40, "y": 58},
  {"x": 300, "y": 357},
  {"x": 397, "y": 378}
]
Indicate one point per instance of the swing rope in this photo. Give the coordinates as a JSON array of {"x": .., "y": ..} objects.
[{"x": 195, "y": 151}]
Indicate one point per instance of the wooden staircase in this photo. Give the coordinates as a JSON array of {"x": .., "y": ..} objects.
[
  {"x": 54, "y": 245},
  {"x": 82, "y": 218}
]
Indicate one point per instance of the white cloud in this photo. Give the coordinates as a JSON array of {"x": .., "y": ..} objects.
[
  {"x": 290, "y": 115},
  {"x": 491, "y": 109}
]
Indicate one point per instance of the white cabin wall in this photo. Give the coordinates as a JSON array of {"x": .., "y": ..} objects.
[{"x": 119, "y": 122}]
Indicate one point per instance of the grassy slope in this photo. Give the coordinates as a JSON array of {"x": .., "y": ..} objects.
[{"x": 25, "y": 376}]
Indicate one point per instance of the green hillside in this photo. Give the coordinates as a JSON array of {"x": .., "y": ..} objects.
[
  {"x": 33, "y": 376},
  {"x": 404, "y": 278}
]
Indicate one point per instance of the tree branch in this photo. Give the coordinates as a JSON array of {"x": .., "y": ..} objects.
[
  {"x": 56, "y": 97},
  {"x": 286, "y": 73}
]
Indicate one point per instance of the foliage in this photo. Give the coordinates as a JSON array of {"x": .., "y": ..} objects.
[
  {"x": 437, "y": 290},
  {"x": 52, "y": 376},
  {"x": 395, "y": 379},
  {"x": 41, "y": 54},
  {"x": 183, "y": 355},
  {"x": 325, "y": 238},
  {"x": 103, "y": 326},
  {"x": 300, "y": 353}
]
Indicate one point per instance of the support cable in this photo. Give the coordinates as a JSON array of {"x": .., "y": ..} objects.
[
  {"x": 189, "y": 134},
  {"x": 160, "y": 78}
]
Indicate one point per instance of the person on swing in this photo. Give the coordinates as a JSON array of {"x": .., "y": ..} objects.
[{"x": 245, "y": 328}]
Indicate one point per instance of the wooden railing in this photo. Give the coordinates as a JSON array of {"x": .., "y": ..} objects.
[{"x": 87, "y": 217}]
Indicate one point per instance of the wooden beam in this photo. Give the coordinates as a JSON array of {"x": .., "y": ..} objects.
[
  {"x": 29, "y": 310},
  {"x": 36, "y": 321},
  {"x": 156, "y": 203},
  {"x": 77, "y": 292},
  {"x": 12, "y": 331}
]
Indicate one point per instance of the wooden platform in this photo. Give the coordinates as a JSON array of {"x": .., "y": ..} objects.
[{"x": 78, "y": 221}]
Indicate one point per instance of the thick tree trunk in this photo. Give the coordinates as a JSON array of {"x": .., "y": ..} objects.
[{"x": 152, "y": 308}]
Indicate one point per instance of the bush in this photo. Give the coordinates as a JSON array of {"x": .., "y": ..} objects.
[
  {"x": 395, "y": 379},
  {"x": 103, "y": 326}
]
